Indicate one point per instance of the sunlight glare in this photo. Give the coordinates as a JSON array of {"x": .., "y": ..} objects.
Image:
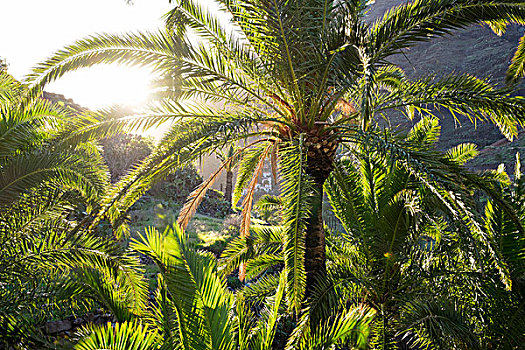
[{"x": 104, "y": 86}]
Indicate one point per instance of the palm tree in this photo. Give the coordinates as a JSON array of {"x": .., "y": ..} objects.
[
  {"x": 397, "y": 235},
  {"x": 51, "y": 171},
  {"x": 230, "y": 166},
  {"x": 397, "y": 230},
  {"x": 302, "y": 77}
]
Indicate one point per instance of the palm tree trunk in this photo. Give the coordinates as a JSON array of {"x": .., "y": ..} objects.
[
  {"x": 229, "y": 186},
  {"x": 315, "y": 256},
  {"x": 319, "y": 166}
]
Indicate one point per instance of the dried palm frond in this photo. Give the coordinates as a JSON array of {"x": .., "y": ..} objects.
[{"x": 247, "y": 203}]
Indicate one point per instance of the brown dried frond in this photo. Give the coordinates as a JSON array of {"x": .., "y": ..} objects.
[
  {"x": 247, "y": 204},
  {"x": 248, "y": 200},
  {"x": 283, "y": 130},
  {"x": 345, "y": 107},
  {"x": 195, "y": 198},
  {"x": 282, "y": 102}
]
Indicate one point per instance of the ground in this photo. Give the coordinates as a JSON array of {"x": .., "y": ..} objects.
[{"x": 206, "y": 232}]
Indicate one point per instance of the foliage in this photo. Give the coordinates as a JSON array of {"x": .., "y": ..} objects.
[
  {"x": 293, "y": 82},
  {"x": 122, "y": 152},
  {"x": 178, "y": 185},
  {"x": 285, "y": 69},
  {"x": 404, "y": 253},
  {"x": 50, "y": 264},
  {"x": 193, "y": 309}
]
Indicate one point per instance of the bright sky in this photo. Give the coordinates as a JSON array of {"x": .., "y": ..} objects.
[{"x": 31, "y": 30}]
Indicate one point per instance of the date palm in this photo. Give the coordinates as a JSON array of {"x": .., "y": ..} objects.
[
  {"x": 295, "y": 77},
  {"x": 398, "y": 234}
]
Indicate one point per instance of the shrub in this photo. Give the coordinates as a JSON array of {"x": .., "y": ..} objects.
[
  {"x": 122, "y": 152},
  {"x": 178, "y": 185}
]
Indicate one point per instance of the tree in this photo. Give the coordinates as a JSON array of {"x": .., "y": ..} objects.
[
  {"x": 301, "y": 76},
  {"x": 394, "y": 251},
  {"x": 230, "y": 165},
  {"x": 122, "y": 152},
  {"x": 3, "y": 65}
]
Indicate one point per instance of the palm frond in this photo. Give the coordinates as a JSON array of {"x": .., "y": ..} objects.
[
  {"x": 199, "y": 295},
  {"x": 158, "y": 50},
  {"x": 350, "y": 327},
  {"x": 132, "y": 335},
  {"x": 407, "y": 24},
  {"x": 270, "y": 315},
  {"x": 196, "y": 197},
  {"x": 247, "y": 203},
  {"x": 517, "y": 66},
  {"x": 296, "y": 191},
  {"x": 433, "y": 323},
  {"x": 462, "y": 95},
  {"x": 462, "y": 153},
  {"x": 247, "y": 165}
]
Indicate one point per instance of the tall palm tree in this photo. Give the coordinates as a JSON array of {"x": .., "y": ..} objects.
[
  {"x": 302, "y": 76},
  {"x": 398, "y": 235}
]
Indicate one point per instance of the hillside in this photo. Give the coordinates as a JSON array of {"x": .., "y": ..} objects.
[{"x": 475, "y": 50}]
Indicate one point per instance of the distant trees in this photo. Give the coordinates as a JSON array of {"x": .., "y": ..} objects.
[
  {"x": 231, "y": 158},
  {"x": 3, "y": 65},
  {"x": 123, "y": 151}
]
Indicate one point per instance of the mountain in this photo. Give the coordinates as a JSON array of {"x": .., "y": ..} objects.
[
  {"x": 475, "y": 50},
  {"x": 62, "y": 100}
]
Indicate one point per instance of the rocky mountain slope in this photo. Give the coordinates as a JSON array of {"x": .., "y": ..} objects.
[{"x": 475, "y": 50}]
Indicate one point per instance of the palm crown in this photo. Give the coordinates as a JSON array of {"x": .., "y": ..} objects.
[{"x": 301, "y": 77}]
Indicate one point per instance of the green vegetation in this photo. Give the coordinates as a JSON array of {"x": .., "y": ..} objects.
[{"x": 414, "y": 260}]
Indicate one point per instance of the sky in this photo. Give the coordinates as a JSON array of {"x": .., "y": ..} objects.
[{"x": 31, "y": 30}]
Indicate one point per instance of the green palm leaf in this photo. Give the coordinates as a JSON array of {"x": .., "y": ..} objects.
[
  {"x": 296, "y": 191},
  {"x": 123, "y": 336}
]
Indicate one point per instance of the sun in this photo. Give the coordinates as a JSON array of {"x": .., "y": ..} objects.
[{"x": 103, "y": 86}]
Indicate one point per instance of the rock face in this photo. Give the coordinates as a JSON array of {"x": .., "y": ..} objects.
[
  {"x": 55, "y": 327},
  {"x": 475, "y": 50},
  {"x": 67, "y": 326},
  {"x": 61, "y": 99}
]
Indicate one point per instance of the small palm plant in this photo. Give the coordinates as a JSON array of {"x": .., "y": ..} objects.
[
  {"x": 506, "y": 306},
  {"x": 193, "y": 309},
  {"x": 50, "y": 172}
]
